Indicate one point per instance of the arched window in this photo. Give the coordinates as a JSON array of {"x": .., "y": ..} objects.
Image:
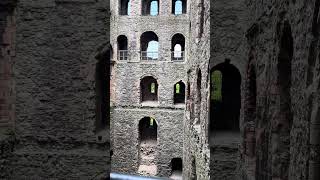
[
  {"x": 124, "y": 8},
  {"x": 225, "y": 97},
  {"x": 148, "y": 129},
  {"x": 178, "y": 47},
  {"x": 179, "y": 7},
  {"x": 149, "y": 89},
  {"x": 149, "y": 46},
  {"x": 179, "y": 93},
  {"x": 150, "y": 7},
  {"x": 122, "y": 47}
]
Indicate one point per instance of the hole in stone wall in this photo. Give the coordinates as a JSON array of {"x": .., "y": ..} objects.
[
  {"x": 179, "y": 93},
  {"x": 122, "y": 47},
  {"x": 150, "y": 7},
  {"x": 179, "y": 7},
  {"x": 225, "y": 97},
  {"x": 149, "y": 89},
  {"x": 176, "y": 168},
  {"x": 176, "y": 164},
  {"x": 122, "y": 42},
  {"x": 148, "y": 130},
  {"x": 149, "y": 46},
  {"x": 124, "y": 8},
  {"x": 177, "y": 47}
]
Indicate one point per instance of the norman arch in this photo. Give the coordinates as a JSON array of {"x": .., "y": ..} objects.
[
  {"x": 178, "y": 47},
  {"x": 149, "y": 89},
  {"x": 225, "y": 97},
  {"x": 148, "y": 130},
  {"x": 179, "y": 93},
  {"x": 122, "y": 43},
  {"x": 149, "y": 46}
]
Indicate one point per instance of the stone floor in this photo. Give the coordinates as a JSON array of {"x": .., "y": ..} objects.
[
  {"x": 224, "y": 152},
  {"x": 176, "y": 175},
  {"x": 147, "y": 156}
]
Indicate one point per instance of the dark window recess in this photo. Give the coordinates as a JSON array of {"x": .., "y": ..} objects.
[
  {"x": 225, "y": 97},
  {"x": 150, "y": 7},
  {"x": 148, "y": 129},
  {"x": 179, "y": 93},
  {"x": 124, "y": 7},
  {"x": 149, "y": 89}
]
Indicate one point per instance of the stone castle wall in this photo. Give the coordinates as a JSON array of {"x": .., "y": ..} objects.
[
  {"x": 128, "y": 109},
  {"x": 269, "y": 25},
  {"x": 196, "y": 141},
  {"x": 57, "y": 42}
]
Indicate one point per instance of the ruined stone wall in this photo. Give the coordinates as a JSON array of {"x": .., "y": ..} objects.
[
  {"x": 57, "y": 45},
  {"x": 128, "y": 109},
  {"x": 273, "y": 26},
  {"x": 196, "y": 155},
  {"x": 229, "y": 22}
]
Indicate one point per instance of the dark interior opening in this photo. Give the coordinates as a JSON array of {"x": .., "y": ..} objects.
[
  {"x": 178, "y": 39},
  {"x": 149, "y": 89},
  {"x": 179, "y": 93},
  {"x": 284, "y": 70},
  {"x": 176, "y": 164},
  {"x": 148, "y": 129},
  {"x": 122, "y": 42},
  {"x": 147, "y": 37},
  {"x": 225, "y": 113},
  {"x": 124, "y": 7},
  {"x": 150, "y": 7}
]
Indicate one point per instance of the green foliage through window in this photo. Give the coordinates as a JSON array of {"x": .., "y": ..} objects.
[
  {"x": 153, "y": 88},
  {"x": 177, "y": 88},
  {"x": 216, "y": 84}
]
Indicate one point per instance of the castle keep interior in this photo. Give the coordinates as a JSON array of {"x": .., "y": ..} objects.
[{"x": 180, "y": 89}]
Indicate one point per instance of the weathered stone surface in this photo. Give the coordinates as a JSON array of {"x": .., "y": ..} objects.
[
  {"x": 54, "y": 73},
  {"x": 128, "y": 109}
]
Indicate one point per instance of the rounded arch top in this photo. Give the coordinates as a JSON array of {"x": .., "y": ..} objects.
[{"x": 150, "y": 35}]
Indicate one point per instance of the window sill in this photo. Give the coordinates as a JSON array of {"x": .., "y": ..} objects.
[{"x": 150, "y": 103}]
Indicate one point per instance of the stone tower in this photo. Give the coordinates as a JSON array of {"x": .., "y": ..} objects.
[{"x": 150, "y": 39}]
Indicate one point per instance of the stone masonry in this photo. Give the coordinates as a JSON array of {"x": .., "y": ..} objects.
[
  {"x": 128, "y": 109},
  {"x": 57, "y": 129}
]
